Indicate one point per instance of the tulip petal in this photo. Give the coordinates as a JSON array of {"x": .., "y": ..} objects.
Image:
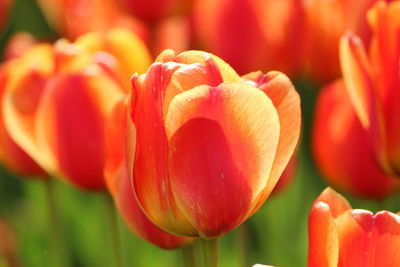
[
  {"x": 222, "y": 143},
  {"x": 286, "y": 100},
  {"x": 357, "y": 77},
  {"x": 385, "y": 59},
  {"x": 120, "y": 187},
  {"x": 323, "y": 248},
  {"x": 150, "y": 172},
  {"x": 336, "y": 202},
  {"x": 22, "y": 97}
]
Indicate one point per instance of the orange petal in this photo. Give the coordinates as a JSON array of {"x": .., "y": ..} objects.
[
  {"x": 385, "y": 55},
  {"x": 223, "y": 138},
  {"x": 120, "y": 187},
  {"x": 286, "y": 100},
  {"x": 323, "y": 248},
  {"x": 357, "y": 76},
  {"x": 22, "y": 96},
  {"x": 340, "y": 145},
  {"x": 150, "y": 171},
  {"x": 336, "y": 202}
]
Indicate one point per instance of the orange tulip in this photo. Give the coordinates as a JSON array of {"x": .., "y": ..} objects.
[
  {"x": 373, "y": 82},
  {"x": 119, "y": 185},
  {"x": 210, "y": 146},
  {"x": 11, "y": 155},
  {"x": 341, "y": 147},
  {"x": 251, "y": 34},
  {"x": 341, "y": 236},
  {"x": 326, "y": 22},
  {"x": 72, "y": 18},
  {"x": 55, "y": 105}
]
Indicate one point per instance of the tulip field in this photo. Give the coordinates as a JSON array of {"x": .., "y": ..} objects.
[{"x": 199, "y": 133}]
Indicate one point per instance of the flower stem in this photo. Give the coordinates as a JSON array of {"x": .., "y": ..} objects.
[
  {"x": 115, "y": 232},
  {"x": 210, "y": 252},
  {"x": 57, "y": 248},
  {"x": 189, "y": 256}
]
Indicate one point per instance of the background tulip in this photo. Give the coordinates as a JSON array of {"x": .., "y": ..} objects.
[
  {"x": 342, "y": 149},
  {"x": 251, "y": 34},
  {"x": 326, "y": 22},
  {"x": 5, "y": 6},
  {"x": 341, "y": 236},
  {"x": 11, "y": 154},
  {"x": 210, "y": 146},
  {"x": 373, "y": 82},
  {"x": 73, "y": 18},
  {"x": 55, "y": 106},
  {"x": 120, "y": 187}
]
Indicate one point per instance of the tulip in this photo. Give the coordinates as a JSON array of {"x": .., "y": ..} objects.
[
  {"x": 55, "y": 106},
  {"x": 251, "y": 34},
  {"x": 19, "y": 44},
  {"x": 150, "y": 10},
  {"x": 5, "y": 6},
  {"x": 287, "y": 176},
  {"x": 342, "y": 236},
  {"x": 71, "y": 18},
  {"x": 342, "y": 150},
  {"x": 326, "y": 22},
  {"x": 119, "y": 185},
  {"x": 11, "y": 154},
  {"x": 373, "y": 80},
  {"x": 210, "y": 145}
]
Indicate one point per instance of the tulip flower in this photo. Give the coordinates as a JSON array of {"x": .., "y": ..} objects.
[
  {"x": 373, "y": 80},
  {"x": 251, "y": 34},
  {"x": 342, "y": 236},
  {"x": 326, "y": 22},
  {"x": 71, "y": 18},
  {"x": 55, "y": 105},
  {"x": 11, "y": 154},
  {"x": 119, "y": 185},
  {"x": 342, "y": 150},
  {"x": 205, "y": 147}
]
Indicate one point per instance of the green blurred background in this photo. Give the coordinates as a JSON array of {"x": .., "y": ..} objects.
[{"x": 275, "y": 235}]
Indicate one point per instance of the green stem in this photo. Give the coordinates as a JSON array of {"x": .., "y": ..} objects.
[
  {"x": 210, "y": 252},
  {"x": 189, "y": 256},
  {"x": 57, "y": 248},
  {"x": 115, "y": 232}
]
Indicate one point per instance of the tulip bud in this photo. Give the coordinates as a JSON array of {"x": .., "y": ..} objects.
[
  {"x": 341, "y": 147},
  {"x": 119, "y": 185},
  {"x": 341, "y": 236},
  {"x": 210, "y": 146}
]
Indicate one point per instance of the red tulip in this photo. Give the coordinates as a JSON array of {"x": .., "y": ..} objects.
[
  {"x": 373, "y": 82},
  {"x": 341, "y": 148},
  {"x": 341, "y": 236},
  {"x": 210, "y": 146},
  {"x": 119, "y": 185},
  {"x": 56, "y": 102},
  {"x": 326, "y": 22},
  {"x": 252, "y": 34}
]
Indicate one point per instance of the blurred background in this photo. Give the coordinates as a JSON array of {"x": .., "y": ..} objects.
[{"x": 276, "y": 235}]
